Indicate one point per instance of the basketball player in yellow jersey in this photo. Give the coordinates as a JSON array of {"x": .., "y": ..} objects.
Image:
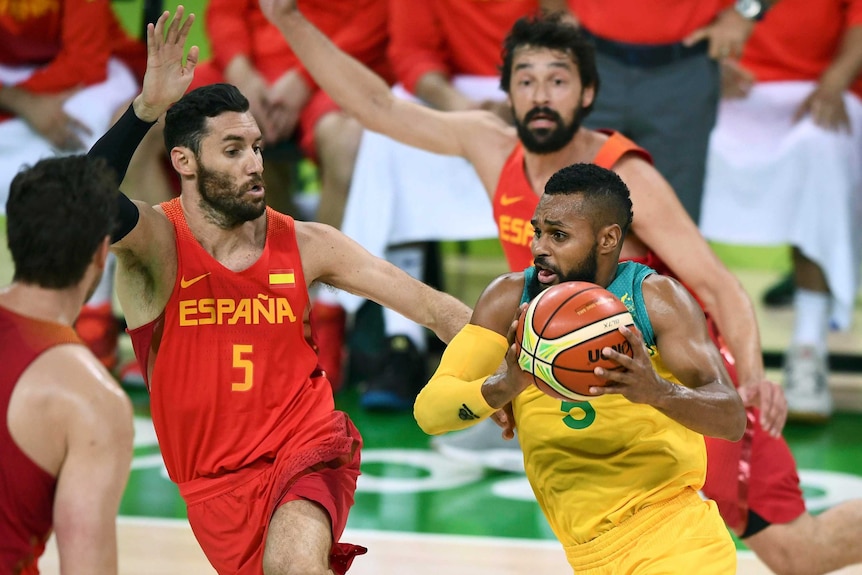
[{"x": 616, "y": 476}]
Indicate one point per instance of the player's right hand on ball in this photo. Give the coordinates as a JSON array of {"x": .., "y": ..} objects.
[{"x": 638, "y": 380}]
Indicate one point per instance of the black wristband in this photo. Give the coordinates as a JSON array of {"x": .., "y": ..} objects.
[
  {"x": 118, "y": 145},
  {"x": 127, "y": 217}
]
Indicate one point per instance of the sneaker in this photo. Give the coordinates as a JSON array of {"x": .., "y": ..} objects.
[
  {"x": 482, "y": 444},
  {"x": 806, "y": 385},
  {"x": 395, "y": 386},
  {"x": 99, "y": 330},
  {"x": 327, "y": 327},
  {"x": 781, "y": 293}
]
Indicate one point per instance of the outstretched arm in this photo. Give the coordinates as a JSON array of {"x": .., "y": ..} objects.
[
  {"x": 365, "y": 96},
  {"x": 663, "y": 225},
  {"x": 166, "y": 79},
  {"x": 332, "y": 258},
  {"x": 93, "y": 475},
  {"x": 706, "y": 402}
]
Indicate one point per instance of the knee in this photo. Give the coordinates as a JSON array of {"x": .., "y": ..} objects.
[
  {"x": 784, "y": 556},
  {"x": 275, "y": 565}
]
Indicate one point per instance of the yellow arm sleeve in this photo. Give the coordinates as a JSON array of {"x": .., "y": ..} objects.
[{"x": 453, "y": 398}]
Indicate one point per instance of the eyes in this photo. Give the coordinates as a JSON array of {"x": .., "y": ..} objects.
[
  {"x": 556, "y": 235},
  {"x": 234, "y": 152},
  {"x": 526, "y": 82}
]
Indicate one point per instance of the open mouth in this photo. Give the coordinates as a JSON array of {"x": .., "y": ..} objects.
[{"x": 545, "y": 276}]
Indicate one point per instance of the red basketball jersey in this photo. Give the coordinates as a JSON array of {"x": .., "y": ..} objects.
[
  {"x": 515, "y": 201},
  {"x": 230, "y": 367},
  {"x": 26, "y": 490}
]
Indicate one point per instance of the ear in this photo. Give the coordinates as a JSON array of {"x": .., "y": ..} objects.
[
  {"x": 610, "y": 238},
  {"x": 101, "y": 254},
  {"x": 588, "y": 95},
  {"x": 184, "y": 161}
]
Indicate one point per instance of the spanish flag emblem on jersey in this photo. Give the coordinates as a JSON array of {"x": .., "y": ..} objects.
[{"x": 282, "y": 279}]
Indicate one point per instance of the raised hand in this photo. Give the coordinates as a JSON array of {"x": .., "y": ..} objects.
[{"x": 167, "y": 78}]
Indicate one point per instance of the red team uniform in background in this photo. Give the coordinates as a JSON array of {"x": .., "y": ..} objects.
[
  {"x": 450, "y": 36},
  {"x": 782, "y": 48},
  {"x": 653, "y": 22},
  {"x": 757, "y": 472},
  {"x": 69, "y": 40},
  {"x": 224, "y": 364},
  {"x": 26, "y": 490},
  {"x": 238, "y": 27}
]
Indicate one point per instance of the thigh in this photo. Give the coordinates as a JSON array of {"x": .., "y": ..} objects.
[
  {"x": 299, "y": 539},
  {"x": 696, "y": 536}
]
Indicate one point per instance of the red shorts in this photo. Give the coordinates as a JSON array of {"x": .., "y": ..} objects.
[
  {"x": 318, "y": 106},
  {"x": 231, "y": 525},
  {"x": 756, "y": 473}
]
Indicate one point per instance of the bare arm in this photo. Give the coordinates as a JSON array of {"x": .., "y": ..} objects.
[
  {"x": 706, "y": 402},
  {"x": 93, "y": 475},
  {"x": 145, "y": 252},
  {"x": 662, "y": 224},
  {"x": 365, "y": 96},
  {"x": 330, "y": 257},
  {"x": 72, "y": 419}
]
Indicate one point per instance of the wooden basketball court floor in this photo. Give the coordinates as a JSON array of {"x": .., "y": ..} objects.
[{"x": 421, "y": 514}]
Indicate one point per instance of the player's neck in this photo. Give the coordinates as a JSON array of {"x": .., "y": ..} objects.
[
  {"x": 55, "y": 305},
  {"x": 236, "y": 248}
]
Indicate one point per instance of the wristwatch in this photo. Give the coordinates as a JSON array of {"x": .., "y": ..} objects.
[{"x": 753, "y": 10}]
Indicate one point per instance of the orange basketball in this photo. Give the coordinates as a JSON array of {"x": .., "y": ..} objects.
[{"x": 561, "y": 335}]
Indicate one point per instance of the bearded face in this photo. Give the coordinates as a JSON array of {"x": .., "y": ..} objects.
[
  {"x": 585, "y": 270},
  {"x": 226, "y": 202},
  {"x": 545, "y": 140}
]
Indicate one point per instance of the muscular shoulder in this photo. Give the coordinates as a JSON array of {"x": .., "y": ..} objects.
[
  {"x": 64, "y": 392},
  {"x": 668, "y": 302},
  {"x": 499, "y": 302}
]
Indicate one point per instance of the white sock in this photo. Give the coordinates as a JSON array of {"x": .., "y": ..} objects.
[
  {"x": 105, "y": 290},
  {"x": 411, "y": 259},
  {"x": 812, "y": 319}
]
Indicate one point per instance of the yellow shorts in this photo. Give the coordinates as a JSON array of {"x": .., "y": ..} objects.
[{"x": 681, "y": 535}]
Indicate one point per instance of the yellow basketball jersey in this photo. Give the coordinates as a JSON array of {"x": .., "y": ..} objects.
[{"x": 593, "y": 464}]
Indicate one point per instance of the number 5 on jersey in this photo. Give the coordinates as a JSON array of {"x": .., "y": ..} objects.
[{"x": 245, "y": 364}]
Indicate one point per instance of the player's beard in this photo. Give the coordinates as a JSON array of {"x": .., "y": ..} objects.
[
  {"x": 222, "y": 200},
  {"x": 585, "y": 271},
  {"x": 544, "y": 140}
]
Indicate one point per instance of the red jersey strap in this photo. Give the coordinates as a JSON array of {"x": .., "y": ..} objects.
[{"x": 615, "y": 148}]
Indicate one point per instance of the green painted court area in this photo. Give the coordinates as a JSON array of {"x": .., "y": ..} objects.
[{"x": 407, "y": 487}]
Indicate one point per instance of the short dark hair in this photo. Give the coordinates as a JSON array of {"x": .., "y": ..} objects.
[
  {"x": 606, "y": 194},
  {"x": 185, "y": 122},
  {"x": 552, "y": 32},
  {"x": 57, "y": 214}
]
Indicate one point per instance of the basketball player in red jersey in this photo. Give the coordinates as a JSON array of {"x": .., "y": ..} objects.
[
  {"x": 214, "y": 286},
  {"x": 65, "y": 425},
  {"x": 550, "y": 75}
]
